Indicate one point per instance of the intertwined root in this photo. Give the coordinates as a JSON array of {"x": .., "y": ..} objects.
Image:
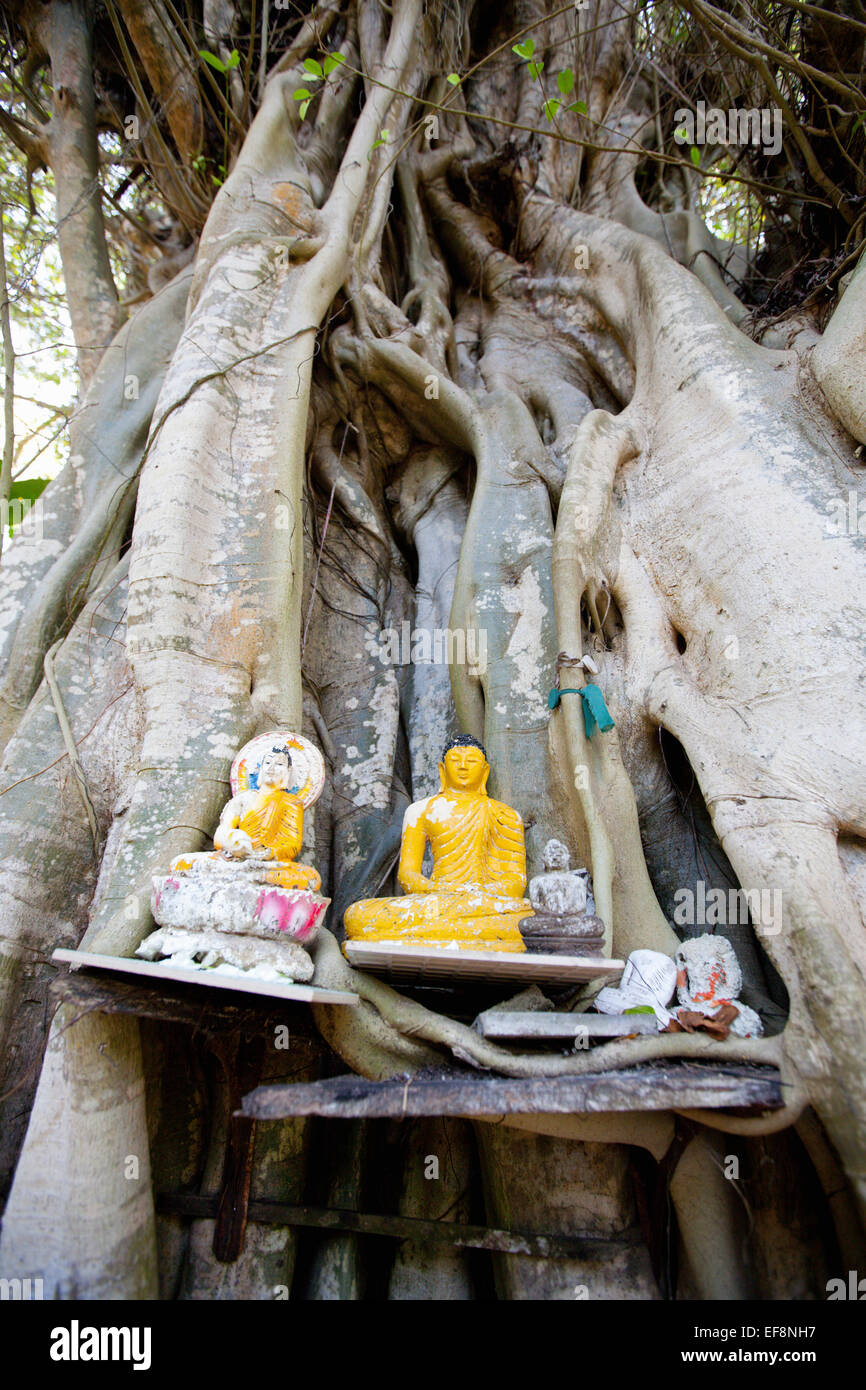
[{"x": 693, "y": 507}]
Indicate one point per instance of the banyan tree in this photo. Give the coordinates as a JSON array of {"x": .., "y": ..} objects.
[{"x": 536, "y": 324}]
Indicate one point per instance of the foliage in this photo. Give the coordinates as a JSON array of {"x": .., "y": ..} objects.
[{"x": 688, "y": 50}]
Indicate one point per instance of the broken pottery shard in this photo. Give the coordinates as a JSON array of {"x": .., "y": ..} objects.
[
  {"x": 649, "y": 979},
  {"x": 746, "y": 1024},
  {"x": 718, "y": 1026}
]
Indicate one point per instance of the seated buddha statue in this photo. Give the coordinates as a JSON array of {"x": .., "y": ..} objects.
[
  {"x": 474, "y": 896},
  {"x": 262, "y": 829},
  {"x": 247, "y": 907}
]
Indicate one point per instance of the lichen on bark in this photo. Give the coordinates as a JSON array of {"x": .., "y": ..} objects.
[{"x": 468, "y": 377}]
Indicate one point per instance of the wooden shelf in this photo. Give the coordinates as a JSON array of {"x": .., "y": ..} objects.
[
  {"x": 674, "y": 1085},
  {"x": 437, "y": 965},
  {"x": 210, "y": 1012},
  {"x": 237, "y": 984}
]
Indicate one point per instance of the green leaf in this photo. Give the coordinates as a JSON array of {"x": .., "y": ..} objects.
[
  {"x": 332, "y": 61},
  {"x": 383, "y": 140},
  {"x": 565, "y": 81},
  {"x": 523, "y": 50},
  {"x": 233, "y": 59},
  {"x": 551, "y": 107},
  {"x": 696, "y": 156},
  {"x": 313, "y": 68},
  {"x": 453, "y": 79},
  {"x": 304, "y": 107},
  {"x": 28, "y": 488},
  {"x": 535, "y": 70},
  {"x": 640, "y": 1009},
  {"x": 302, "y": 94},
  {"x": 212, "y": 58},
  {"x": 680, "y": 134},
  {"x": 579, "y": 107}
]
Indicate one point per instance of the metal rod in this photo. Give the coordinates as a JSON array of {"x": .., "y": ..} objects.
[{"x": 451, "y": 1233}]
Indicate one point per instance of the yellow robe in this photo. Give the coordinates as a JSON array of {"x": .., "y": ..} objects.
[
  {"x": 475, "y": 893},
  {"x": 275, "y": 821}
]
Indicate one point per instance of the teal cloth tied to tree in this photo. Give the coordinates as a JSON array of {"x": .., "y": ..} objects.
[{"x": 595, "y": 712}]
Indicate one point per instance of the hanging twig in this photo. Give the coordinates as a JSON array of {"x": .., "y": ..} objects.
[
  {"x": 69, "y": 742},
  {"x": 322, "y": 545},
  {"x": 263, "y": 59},
  {"x": 8, "y": 389}
]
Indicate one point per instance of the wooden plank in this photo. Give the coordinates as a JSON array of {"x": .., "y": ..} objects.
[
  {"x": 242, "y": 1067},
  {"x": 539, "y": 1025},
  {"x": 126, "y": 965},
  {"x": 651, "y": 1086},
  {"x": 435, "y": 964},
  {"x": 440, "y": 1233},
  {"x": 210, "y": 1012}
]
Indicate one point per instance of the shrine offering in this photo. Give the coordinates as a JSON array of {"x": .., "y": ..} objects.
[
  {"x": 648, "y": 982},
  {"x": 708, "y": 978}
]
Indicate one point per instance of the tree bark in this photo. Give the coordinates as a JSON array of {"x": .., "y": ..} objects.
[
  {"x": 74, "y": 153},
  {"x": 497, "y": 383}
]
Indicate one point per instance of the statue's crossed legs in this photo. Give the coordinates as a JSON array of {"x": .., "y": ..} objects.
[{"x": 469, "y": 916}]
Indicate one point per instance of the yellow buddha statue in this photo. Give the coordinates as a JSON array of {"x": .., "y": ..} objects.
[
  {"x": 265, "y": 824},
  {"x": 474, "y": 897}
]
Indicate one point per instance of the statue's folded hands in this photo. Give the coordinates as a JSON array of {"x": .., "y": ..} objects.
[
  {"x": 416, "y": 883},
  {"x": 235, "y": 844}
]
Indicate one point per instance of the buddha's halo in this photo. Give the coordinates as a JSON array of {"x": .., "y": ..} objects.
[{"x": 308, "y": 765}]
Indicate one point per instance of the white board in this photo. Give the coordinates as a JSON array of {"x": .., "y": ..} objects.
[
  {"x": 126, "y": 965},
  {"x": 541, "y": 1026},
  {"x": 425, "y": 964}
]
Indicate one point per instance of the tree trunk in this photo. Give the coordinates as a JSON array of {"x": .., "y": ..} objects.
[{"x": 442, "y": 365}]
